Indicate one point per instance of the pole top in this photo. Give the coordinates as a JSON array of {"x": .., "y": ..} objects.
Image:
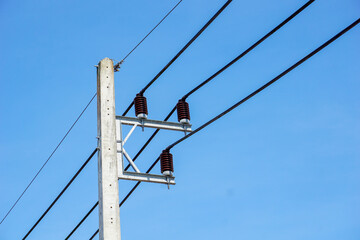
[{"x": 106, "y": 60}]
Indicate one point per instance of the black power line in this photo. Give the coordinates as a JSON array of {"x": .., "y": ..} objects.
[
  {"x": 180, "y": 52},
  {"x": 244, "y": 100},
  {"x": 47, "y": 160},
  {"x": 223, "y": 69},
  {"x": 82, "y": 220},
  {"x": 267, "y": 84},
  {"x": 61, "y": 193},
  {"x": 250, "y": 48},
  {"x": 197, "y": 88}
]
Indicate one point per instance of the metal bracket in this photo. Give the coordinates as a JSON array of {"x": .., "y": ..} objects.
[
  {"x": 118, "y": 65},
  {"x": 121, "y": 152}
]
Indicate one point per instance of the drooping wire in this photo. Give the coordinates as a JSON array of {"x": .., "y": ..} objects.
[
  {"x": 82, "y": 220},
  {"x": 47, "y": 160},
  {"x": 250, "y": 48},
  {"x": 61, "y": 193},
  {"x": 117, "y": 65},
  {"x": 245, "y": 99},
  {"x": 224, "y": 68},
  {"x": 266, "y": 85},
  {"x": 180, "y": 52},
  {"x": 76, "y": 122},
  {"x": 197, "y": 88}
]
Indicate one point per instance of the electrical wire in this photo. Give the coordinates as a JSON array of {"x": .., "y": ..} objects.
[
  {"x": 197, "y": 88},
  {"x": 180, "y": 52},
  {"x": 224, "y": 68},
  {"x": 47, "y": 160},
  {"x": 250, "y": 48},
  {"x": 266, "y": 85},
  {"x": 61, "y": 193},
  {"x": 82, "y": 220},
  {"x": 245, "y": 99},
  {"x": 117, "y": 66}
]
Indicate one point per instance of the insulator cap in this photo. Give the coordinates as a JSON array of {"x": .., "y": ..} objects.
[
  {"x": 183, "y": 111},
  {"x": 166, "y": 162},
  {"x": 140, "y": 106}
]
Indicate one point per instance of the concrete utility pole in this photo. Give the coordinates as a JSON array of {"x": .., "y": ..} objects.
[
  {"x": 112, "y": 152},
  {"x": 109, "y": 213}
]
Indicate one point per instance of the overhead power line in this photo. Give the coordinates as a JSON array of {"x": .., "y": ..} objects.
[
  {"x": 268, "y": 84},
  {"x": 244, "y": 100},
  {"x": 241, "y": 55},
  {"x": 197, "y": 88},
  {"x": 117, "y": 66},
  {"x": 250, "y": 48},
  {"x": 47, "y": 160},
  {"x": 61, "y": 193},
  {"x": 180, "y": 52}
]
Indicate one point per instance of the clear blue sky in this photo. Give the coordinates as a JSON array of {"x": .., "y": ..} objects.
[{"x": 285, "y": 165}]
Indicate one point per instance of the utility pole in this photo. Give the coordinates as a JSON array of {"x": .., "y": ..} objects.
[
  {"x": 112, "y": 152},
  {"x": 109, "y": 213}
]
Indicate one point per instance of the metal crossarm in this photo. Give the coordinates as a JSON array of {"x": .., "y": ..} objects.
[
  {"x": 121, "y": 152},
  {"x": 182, "y": 127}
]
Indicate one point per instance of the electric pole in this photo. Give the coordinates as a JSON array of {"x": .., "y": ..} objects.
[
  {"x": 109, "y": 213},
  {"x": 112, "y": 152}
]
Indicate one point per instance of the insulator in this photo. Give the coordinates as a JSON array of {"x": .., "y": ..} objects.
[
  {"x": 166, "y": 163},
  {"x": 183, "y": 111},
  {"x": 140, "y": 106}
]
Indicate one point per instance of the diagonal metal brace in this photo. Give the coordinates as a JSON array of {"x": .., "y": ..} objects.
[{"x": 137, "y": 122}]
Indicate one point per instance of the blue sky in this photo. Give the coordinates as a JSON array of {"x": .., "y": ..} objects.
[{"x": 285, "y": 165}]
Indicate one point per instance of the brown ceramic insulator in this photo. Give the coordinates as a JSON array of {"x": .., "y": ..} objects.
[
  {"x": 183, "y": 110},
  {"x": 140, "y": 105},
  {"x": 166, "y": 161}
]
